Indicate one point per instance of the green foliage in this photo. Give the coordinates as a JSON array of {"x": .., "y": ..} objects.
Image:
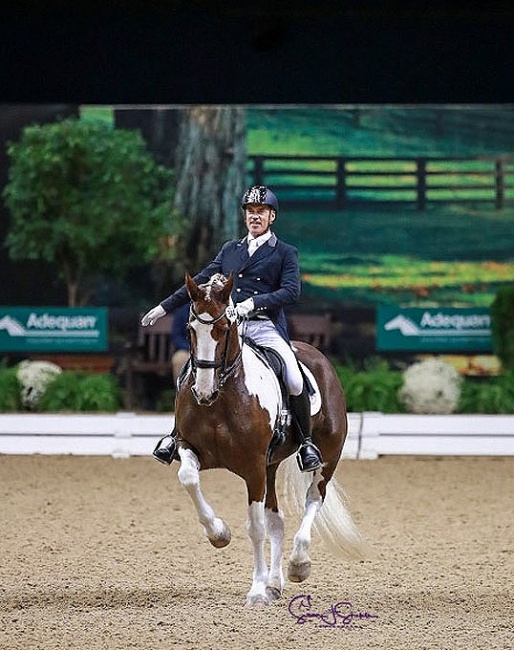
[
  {"x": 89, "y": 199},
  {"x": 165, "y": 401},
  {"x": 99, "y": 393},
  {"x": 502, "y": 329},
  {"x": 488, "y": 395},
  {"x": 62, "y": 394},
  {"x": 376, "y": 387},
  {"x": 10, "y": 390},
  {"x": 373, "y": 389},
  {"x": 72, "y": 391}
]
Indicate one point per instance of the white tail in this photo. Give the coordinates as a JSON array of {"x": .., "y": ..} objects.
[{"x": 333, "y": 521}]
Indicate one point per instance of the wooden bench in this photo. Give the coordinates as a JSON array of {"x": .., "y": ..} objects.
[
  {"x": 149, "y": 355},
  {"x": 315, "y": 329}
]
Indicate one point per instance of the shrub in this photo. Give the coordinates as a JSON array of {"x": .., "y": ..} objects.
[
  {"x": 73, "y": 391},
  {"x": 166, "y": 401},
  {"x": 430, "y": 386},
  {"x": 488, "y": 395},
  {"x": 502, "y": 327},
  {"x": 10, "y": 390},
  {"x": 62, "y": 394},
  {"x": 35, "y": 377},
  {"x": 373, "y": 389},
  {"x": 99, "y": 393}
]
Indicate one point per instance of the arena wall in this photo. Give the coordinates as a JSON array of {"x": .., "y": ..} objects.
[{"x": 370, "y": 434}]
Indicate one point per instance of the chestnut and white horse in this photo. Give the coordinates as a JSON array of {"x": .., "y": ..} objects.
[{"x": 227, "y": 409}]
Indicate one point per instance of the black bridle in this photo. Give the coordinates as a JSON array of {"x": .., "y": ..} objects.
[{"x": 225, "y": 371}]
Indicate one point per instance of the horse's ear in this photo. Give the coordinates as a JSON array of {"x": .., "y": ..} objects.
[
  {"x": 192, "y": 287},
  {"x": 227, "y": 288}
]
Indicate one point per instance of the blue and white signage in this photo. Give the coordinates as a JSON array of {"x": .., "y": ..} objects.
[
  {"x": 53, "y": 329},
  {"x": 443, "y": 329}
]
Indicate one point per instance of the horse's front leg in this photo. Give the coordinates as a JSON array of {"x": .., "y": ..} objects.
[
  {"x": 215, "y": 528},
  {"x": 266, "y": 585},
  {"x": 299, "y": 562},
  {"x": 275, "y": 532},
  {"x": 256, "y": 529}
]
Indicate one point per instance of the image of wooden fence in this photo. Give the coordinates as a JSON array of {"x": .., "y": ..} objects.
[{"x": 336, "y": 182}]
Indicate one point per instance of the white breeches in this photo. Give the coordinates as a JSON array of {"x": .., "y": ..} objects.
[{"x": 264, "y": 333}]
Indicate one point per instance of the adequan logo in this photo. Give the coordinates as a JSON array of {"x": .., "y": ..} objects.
[
  {"x": 406, "y": 326},
  {"x": 51, "y": 329},
  {"x": 440, "y": 329},
  {"x": 12, "y": 326},
  {"x": 46, "y": 325},
  {"x": 440, "y": 324}
]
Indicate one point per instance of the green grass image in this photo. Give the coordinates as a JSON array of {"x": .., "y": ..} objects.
[{"x": 449, "y": 254}]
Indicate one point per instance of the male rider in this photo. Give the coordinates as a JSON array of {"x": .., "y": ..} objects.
[{"x": 267, "y": 279}]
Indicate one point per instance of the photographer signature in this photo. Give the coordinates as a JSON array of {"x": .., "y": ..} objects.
[{"x": 340, "y": 614}]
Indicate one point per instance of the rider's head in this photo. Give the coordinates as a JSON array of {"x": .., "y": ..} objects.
[{"x": 260, "y": 207}]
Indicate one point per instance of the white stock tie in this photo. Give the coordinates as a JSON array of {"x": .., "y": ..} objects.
[{"x": 252, "y": 247}]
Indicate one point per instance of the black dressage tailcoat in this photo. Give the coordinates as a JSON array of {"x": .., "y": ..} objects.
[{"x": 271, "y": 276}]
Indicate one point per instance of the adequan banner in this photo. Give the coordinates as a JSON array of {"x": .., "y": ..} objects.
[
  {"x": 53, "y": 329},
  {"x": 443, "y": 329}
]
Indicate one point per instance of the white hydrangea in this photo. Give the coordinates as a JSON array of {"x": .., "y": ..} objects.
[
  {"x": 34, "y": 377},
  {"x": 430, "y": 386}
]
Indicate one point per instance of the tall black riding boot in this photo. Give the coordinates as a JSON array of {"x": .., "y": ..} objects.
[
  {"x": 166, "y": 453},
  {"x": 309, "y": 456}
]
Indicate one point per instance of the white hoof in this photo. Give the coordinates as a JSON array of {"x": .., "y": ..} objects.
[
  {"x": 257, "y": 600},
  {"x": 221, "y": 536}
]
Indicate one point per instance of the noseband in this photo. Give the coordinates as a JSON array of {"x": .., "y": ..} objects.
[{"x": 225, "y": 370}]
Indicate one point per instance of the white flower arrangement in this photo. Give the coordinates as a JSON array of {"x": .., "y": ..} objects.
[
  {"x": 34, "y": 377},
  {"x": 430, "y": 386}
]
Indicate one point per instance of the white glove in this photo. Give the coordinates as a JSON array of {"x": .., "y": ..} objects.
[
  {"x": 153, "y": 315},
  {"x": 244, "y": 308}
]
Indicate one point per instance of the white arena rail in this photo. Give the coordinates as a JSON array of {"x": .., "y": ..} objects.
[{"x": 370, "y": 434}]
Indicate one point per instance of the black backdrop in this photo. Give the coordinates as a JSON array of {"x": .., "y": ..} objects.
[
  {"x": 256, "y": 51},
  {"x": 228, "y": 51}
]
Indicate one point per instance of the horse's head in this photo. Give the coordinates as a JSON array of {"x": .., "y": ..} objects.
[{"x": 213, "y": 335}]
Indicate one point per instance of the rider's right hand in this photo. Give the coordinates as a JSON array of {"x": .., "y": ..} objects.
[{"x": 153, "y": 315}]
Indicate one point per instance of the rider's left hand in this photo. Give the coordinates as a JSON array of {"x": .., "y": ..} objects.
[{"x": 245, "y": 308}]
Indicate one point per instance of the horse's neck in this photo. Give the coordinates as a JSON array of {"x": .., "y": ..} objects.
[{"x": 234, "y": 346}]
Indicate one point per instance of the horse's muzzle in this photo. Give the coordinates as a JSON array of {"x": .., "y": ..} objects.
[{"x": 204, "y": 400}]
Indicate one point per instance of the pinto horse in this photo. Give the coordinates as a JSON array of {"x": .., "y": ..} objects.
[{"x": 227, "y": 409}]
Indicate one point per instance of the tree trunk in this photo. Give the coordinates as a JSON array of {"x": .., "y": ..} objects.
[{"x": 210, "y": 168}]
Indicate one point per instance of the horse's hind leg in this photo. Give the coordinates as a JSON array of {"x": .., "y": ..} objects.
[
  {"x": 215, "y": 528},
  {"x": 299, "y": 562}
]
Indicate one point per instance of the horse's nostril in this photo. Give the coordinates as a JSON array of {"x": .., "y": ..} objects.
[{"x": 204, "y": 400}]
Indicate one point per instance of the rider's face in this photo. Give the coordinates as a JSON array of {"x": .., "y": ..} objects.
[{"x": 258, "y": 218}]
